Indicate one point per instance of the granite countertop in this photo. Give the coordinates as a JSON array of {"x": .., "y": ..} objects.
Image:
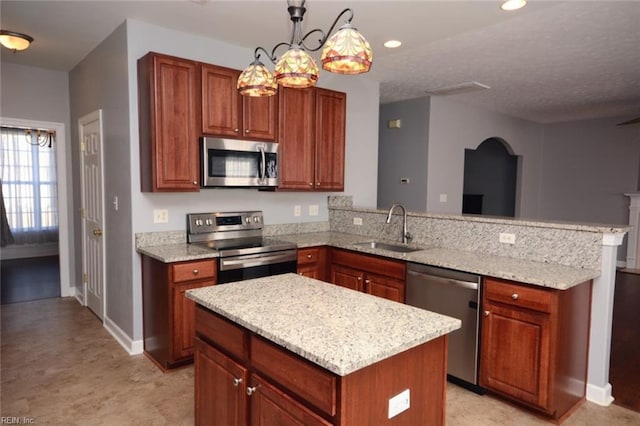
[
  {"x": 525, "y": 271},
  {"x": 339, "y": 329}
]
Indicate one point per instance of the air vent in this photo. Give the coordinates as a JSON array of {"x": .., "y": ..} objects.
[{"x": 456, "y": 89}]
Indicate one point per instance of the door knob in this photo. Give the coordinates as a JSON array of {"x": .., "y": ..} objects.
[{"x": 97, "y": 232}]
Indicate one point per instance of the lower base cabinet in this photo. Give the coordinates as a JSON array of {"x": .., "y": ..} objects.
[
  {"x": 534, "y": 344},
  {"x": 243, "y": 379}
]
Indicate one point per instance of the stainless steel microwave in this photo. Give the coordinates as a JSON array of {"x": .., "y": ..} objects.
[{"x": 238, "y": 163}]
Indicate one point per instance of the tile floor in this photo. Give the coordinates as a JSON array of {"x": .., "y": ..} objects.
[{"x": 60, "y": 367}]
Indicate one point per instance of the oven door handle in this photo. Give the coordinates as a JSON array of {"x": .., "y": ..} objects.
[{"x": 260, "y": 259}]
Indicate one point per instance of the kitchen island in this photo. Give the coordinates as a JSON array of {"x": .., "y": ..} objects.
[{"x": 287, "y": 349}]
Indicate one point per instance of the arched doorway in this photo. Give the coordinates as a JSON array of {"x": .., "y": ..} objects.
[{"x": 490, "y": 176}]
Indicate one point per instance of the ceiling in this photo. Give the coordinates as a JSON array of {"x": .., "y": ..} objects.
[{"x": 549, "y": 62}]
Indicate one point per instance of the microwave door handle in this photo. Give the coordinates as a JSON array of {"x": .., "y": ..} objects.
[{"x": 263, "y": 165}]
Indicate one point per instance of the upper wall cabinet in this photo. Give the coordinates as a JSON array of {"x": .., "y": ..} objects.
[
  {"x": 168, "y": 123},
  {"x": 226, "y": 113},
  {"x": 312, "y": 139}
]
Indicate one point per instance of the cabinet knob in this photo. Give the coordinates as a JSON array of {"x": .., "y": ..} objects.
[
  {"x": 310, "y": 183},
  {"x": 486, "y": 313},
  {"x": 237, "y": 381},
  {"x": 318, "y": 184},
  {"x": 247, "y": 130},
  {"x": 514, "y": 296},
  {"x": 359, "y": 278},
  {"x": 367, "y": 281},
  {"x": 251, "y": 390},
  {"x": 236, "y": 130},
  {"x": 309, "y": 256},
  {"x": 196, "y": 272},
  {"x": 195, "y": 182}
]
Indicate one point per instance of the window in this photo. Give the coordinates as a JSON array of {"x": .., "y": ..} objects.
[{"x": 29, "y": 188}]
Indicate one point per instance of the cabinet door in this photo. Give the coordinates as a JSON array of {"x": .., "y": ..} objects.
[
  {"x": 270, "y": 406},
  {"x": 312, "y": 262},
  {"x": 330, "y": 139},
  {"x": 381, "y": 286},
  {"x": 220, "y": 385},
  {"x": 169, "y": 155},
  {"x": 183, "y": 320},
  {"x": 220, "y": 101},
  {"x": 259, "y": 117},
  {"x": 347, "y": 277},
  {"x": 515, "y": 353},
  {"x": 296, "y": 118}
]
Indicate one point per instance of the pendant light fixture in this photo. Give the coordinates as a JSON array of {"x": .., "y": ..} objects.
[
  {"x": 346, "y": 52},
  {"x": 15, "y": 41}
]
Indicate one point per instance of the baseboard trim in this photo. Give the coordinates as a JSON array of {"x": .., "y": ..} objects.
[
  {"x": 133, "y": 347},
  {"x": 600, "y": 395}
]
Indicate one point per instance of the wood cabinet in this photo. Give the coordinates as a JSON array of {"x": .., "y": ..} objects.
[
  {"x": 244, "y": 379},
  {"x": 312, "y": 262},
  {"x": 312, "y": 139},
  {"x": 168, "y": 316},
  {"x": 168, "y": 123},
  {"x": 374, "y": 275},
  {"x": 534, "y": 344},
  {"x": 226, "y": 113}
]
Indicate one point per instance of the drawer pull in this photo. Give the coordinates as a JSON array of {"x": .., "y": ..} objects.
[
  {"x": 251, "y": 390},
  {"x": 196, "y": 272},
  {"x": 309, "y": 256},
  {"x": 486, "y": 313},
  {"x": 514, "y": 296},
  {"x": 236, "y": 381}
]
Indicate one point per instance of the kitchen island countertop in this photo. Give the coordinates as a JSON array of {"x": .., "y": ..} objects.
[{"x": 339, "y": 329}]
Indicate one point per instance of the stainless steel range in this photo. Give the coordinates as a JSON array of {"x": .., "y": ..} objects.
[{"x": 243, "y": 252}]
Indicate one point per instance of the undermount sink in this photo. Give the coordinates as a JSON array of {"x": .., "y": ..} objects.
[{"x": 388, "y": 247}]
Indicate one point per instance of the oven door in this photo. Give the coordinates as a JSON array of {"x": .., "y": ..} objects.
[
  {"x": 244, "y": 267},
  {"x": 229, "y": 162}
]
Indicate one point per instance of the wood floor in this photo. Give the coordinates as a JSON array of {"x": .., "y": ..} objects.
[
  {"x": 22, "y": 280},
  {"x": 624, "y": 372}
]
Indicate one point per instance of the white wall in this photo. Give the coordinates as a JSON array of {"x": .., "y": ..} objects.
[{"x": 454, "y": 127}]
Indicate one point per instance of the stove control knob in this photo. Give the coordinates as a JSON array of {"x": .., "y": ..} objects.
[
  {"x": 256, "y": 219},
  {"x": 198, "y": 222},
  {"x": 247, "y": 219},
  {"x": 208, "y": 222}
]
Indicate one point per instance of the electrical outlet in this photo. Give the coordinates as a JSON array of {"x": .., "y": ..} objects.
[
  {"x": 443, "y": 198},
  {"x": 297, "y": 211},
  {"x": 399, "y": 403},
  {"x": 507, "y": 238},
  {"x": 313, "y": 210},
  {"x": 357, "y": 221},
  {"x": 160, "y": 216}
]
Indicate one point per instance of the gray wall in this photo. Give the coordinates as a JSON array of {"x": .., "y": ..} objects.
[
  {"x": 403, "y": 154},
  {"x": 100, "y": 81},
  {"x": 30, "y": 93},
  {"x": 107, "y": 79}
]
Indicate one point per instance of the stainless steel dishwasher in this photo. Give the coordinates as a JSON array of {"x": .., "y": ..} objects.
[{"x": 455, "y": 294}]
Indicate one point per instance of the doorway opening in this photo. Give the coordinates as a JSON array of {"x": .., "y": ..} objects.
[
  {"x": 490, "y": 179},
  {"x": 36, "y": 252}
]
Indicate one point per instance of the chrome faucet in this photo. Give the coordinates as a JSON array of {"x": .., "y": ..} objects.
[{"x": 406, "y": 236}]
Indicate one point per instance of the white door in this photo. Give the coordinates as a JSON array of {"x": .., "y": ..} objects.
[{"x": 93, "y": 276}]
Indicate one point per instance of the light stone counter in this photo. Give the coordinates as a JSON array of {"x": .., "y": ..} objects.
[
  {"x": 339, "y": 329},
  {"x": 177, "y": 252}
]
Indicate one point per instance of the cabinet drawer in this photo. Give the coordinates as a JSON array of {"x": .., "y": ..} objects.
[
  {"x": 507, "y": 292},
  {"x": 311, "y": 382},
  {"x": 309, "y": 255},
  {"x": 193, "y": 270},
  {"x": 226, "y": 335},
  {"x": 373, "y": 264}
]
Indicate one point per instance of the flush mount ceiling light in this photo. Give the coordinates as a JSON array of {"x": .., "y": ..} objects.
[
  {"x": 15, "y": 41},
  {"x": 510, "y": 5},
  {"x": 346, "y": 52},
  {"x": 392, "y": 44}
]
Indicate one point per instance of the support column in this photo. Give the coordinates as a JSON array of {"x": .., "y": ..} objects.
[{"x": 598, "y": 386}]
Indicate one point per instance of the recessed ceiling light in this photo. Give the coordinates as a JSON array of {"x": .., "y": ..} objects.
[
  {"x": 510, "y": 5},
  {"x": 392, "y": 44}
]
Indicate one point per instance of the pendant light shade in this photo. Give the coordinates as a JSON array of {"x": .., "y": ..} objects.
[
  {"x": 347, "y": 52},
  {"x": 296, "y": 68},
  {"x": 257, "y": 80},
  {"x": 15, "y": 41}
]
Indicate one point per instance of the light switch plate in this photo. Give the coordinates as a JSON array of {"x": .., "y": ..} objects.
[
  {"x": 313, "y": 210},
  {"x": 160, "y": 216},
  {"x": 297, "y": 211},
  {"x": 507, "y": 238}
]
